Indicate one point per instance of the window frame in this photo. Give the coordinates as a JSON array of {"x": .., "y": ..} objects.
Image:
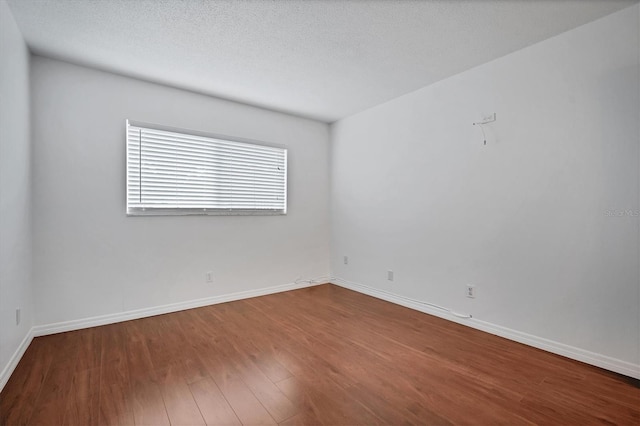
[{"x": 194, "y": 211}]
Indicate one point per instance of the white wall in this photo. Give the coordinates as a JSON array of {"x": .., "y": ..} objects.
[
  {"x": 15, "y": 192},
  {"x": 90, "y": 259},
  {"x": 524, "y": 218}
]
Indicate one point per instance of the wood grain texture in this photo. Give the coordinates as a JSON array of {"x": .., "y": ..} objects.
[
  {"x": 317, "y": 356},
  {"x": 214, "y": 407}
]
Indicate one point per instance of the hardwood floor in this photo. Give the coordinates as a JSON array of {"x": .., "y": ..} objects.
[{"x": 322, "y": 355}]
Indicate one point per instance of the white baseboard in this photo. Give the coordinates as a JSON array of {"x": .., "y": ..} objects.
[
  {"x": 15, "y": 359},
  {"x": 599, "y": 360},
  {"x": 59, "y": 327}
]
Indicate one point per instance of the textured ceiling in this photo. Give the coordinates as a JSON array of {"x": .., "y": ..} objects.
[{"x": 319, "y": 59}]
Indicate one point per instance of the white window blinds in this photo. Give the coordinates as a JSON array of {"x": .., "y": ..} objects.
[{"x": 170, "y": 172}]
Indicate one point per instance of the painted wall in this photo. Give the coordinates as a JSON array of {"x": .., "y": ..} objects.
[
  {"x": 15, "y": 190},
  {"x": 543, "y": 219},
  {"x": 90, "y": 259}
]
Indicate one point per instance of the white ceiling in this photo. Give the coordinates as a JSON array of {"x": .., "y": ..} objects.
[{"x": 319, "y": 59}]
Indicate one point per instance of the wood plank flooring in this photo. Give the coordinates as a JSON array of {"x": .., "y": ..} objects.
[{"x": 322, "y": 355}]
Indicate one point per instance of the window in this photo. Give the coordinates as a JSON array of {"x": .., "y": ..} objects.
[{"x": 170, "y": 172}]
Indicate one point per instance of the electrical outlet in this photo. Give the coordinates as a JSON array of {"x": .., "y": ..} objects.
[
  {"x": 390, "y": 275},
  {"x": 346, "y": 260},
  {"x": 471, "y": 291},
  {"x": 209, "y": 276},
  {"x": 17, "y": 316}
]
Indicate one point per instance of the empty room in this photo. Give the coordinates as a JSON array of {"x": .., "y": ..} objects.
[{"x": 319, "y": 212}]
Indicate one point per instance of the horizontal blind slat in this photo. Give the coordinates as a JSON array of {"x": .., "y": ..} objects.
[
  {"x": 203, "y": 148},
  {"x": 202, "y": 141},
  {"x": 145, "y": 146},
  {"x": 264, "y": 186},
  {"x": 208, "y": 177}
]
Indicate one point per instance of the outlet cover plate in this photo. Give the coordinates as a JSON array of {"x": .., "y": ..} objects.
[{"x": 471, "y": 291}]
